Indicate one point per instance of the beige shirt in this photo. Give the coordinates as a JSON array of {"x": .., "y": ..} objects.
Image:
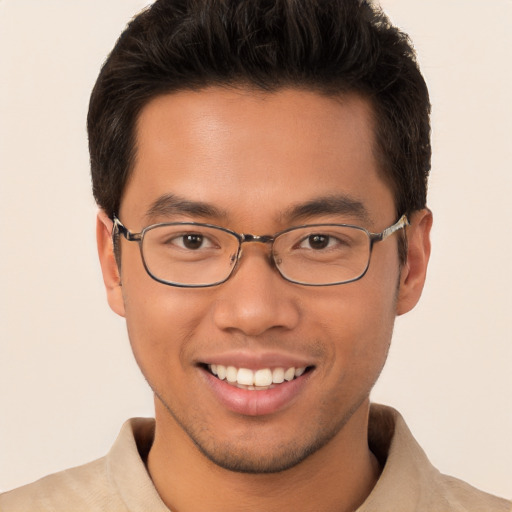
[{"x": 120, "y": 481}]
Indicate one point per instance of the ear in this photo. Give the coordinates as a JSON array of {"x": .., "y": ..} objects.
[
  {"x": 109, "y": 268},
  {"x": 414, "y": 271}
]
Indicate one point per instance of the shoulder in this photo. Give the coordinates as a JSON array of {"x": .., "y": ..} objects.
[
  {"x": 465, "y": 498},
  {"x": 117, "y": 482},
  {"x": 409, "y": 481},
  {"x": 83, "y": 488},
  {"x": 459, "y": 496}
]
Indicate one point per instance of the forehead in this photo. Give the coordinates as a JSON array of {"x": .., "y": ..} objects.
[{"x": 240, "y": 148}]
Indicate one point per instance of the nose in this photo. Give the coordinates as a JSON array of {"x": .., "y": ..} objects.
[{"x": 256, "y": 299}]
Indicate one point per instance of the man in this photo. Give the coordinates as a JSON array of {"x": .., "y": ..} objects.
[{"x": 261, "y": 172}]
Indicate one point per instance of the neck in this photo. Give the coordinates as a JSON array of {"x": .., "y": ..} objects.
[{"x": 338, "y": 477}]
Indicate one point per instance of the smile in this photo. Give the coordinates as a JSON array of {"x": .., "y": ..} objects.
[
  {"x": 256, "y": 388},
  {"x": 255, "y": 380}
]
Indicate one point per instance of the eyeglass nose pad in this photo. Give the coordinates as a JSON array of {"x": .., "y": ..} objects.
[
  {"x": 234, "y": 259},
  {"x": 275, "y": 258}
]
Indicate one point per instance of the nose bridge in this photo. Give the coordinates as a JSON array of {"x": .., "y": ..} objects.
[{"x": 266, "y": 240}]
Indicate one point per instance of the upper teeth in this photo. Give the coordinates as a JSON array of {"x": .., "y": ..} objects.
[{"x": 259, "y": 378}]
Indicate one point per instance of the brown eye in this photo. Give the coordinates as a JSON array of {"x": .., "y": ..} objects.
[
  {"x": 192, "y": 241},
  {"x": 318, "y": 241}
]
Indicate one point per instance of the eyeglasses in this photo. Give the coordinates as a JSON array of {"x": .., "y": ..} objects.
[{"x": 196, "y": 255}]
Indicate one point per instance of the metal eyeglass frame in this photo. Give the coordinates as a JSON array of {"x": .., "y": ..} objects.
[{"x": 119, "y": 228}]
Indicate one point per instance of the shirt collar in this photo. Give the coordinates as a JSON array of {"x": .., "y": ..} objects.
[{"x": 406, "y": 471}]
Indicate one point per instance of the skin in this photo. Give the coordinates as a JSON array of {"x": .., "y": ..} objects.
[{"x": 254, "y": 156}]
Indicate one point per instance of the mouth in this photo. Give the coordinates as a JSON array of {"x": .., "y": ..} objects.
[{"x": 256, "y": 380}]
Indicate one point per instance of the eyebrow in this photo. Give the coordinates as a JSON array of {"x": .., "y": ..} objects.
[
  {"x": 169, "y": 205},
  {"x": 328, "y": 205}
]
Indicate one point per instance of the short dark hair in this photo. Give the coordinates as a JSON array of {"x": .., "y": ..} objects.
[{"x": 333, "y": 47}]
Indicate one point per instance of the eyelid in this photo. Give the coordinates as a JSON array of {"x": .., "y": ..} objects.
[
  {"x": 177, "y": 232},
  {"x": 206, "y": 242},
  {"x": 338, "y": 237}
]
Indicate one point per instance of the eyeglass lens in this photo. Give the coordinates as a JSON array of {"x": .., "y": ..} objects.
[{"x": 196, "y": 255}]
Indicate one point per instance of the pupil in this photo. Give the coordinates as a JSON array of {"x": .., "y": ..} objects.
[
  {"x": 192, "y": 241},
  {"x": 318, "y": 241}
]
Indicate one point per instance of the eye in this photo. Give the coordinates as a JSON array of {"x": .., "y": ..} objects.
[
  {"x": 318, "y": 241},
  {"x": 191, "y": 241}
]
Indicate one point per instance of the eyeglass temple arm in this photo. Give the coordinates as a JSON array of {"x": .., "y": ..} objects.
[
  {"x": 401, "y": 223},
  {"x": 119, "y": 228}
]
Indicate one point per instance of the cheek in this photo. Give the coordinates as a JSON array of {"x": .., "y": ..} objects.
[
  {"x": 357, "y": 321},
  {"x": 160, "y": 319}
]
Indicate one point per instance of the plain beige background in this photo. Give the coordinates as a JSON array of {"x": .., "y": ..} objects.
[{"x": 67, "y": 377}]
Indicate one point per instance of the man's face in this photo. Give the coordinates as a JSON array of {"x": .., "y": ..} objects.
[{"x": 253, "y": 159}]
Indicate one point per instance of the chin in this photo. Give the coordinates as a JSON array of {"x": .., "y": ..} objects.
[{"x": 259, "y": 460}]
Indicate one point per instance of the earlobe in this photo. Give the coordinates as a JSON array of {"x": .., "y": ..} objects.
[
  {"x": 109, "y": 268},
  {"x": 414, "y": 271}
]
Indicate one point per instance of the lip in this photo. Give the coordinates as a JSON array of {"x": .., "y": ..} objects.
[
  {"x": 255, "y": 361},
  {"x": 258, "y": 402}
]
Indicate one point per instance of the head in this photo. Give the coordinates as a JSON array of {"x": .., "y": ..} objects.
[{"x": 258, "y": 116}]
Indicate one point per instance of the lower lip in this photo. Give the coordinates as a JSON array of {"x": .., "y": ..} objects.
[{"x": 256, "y": 403}]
